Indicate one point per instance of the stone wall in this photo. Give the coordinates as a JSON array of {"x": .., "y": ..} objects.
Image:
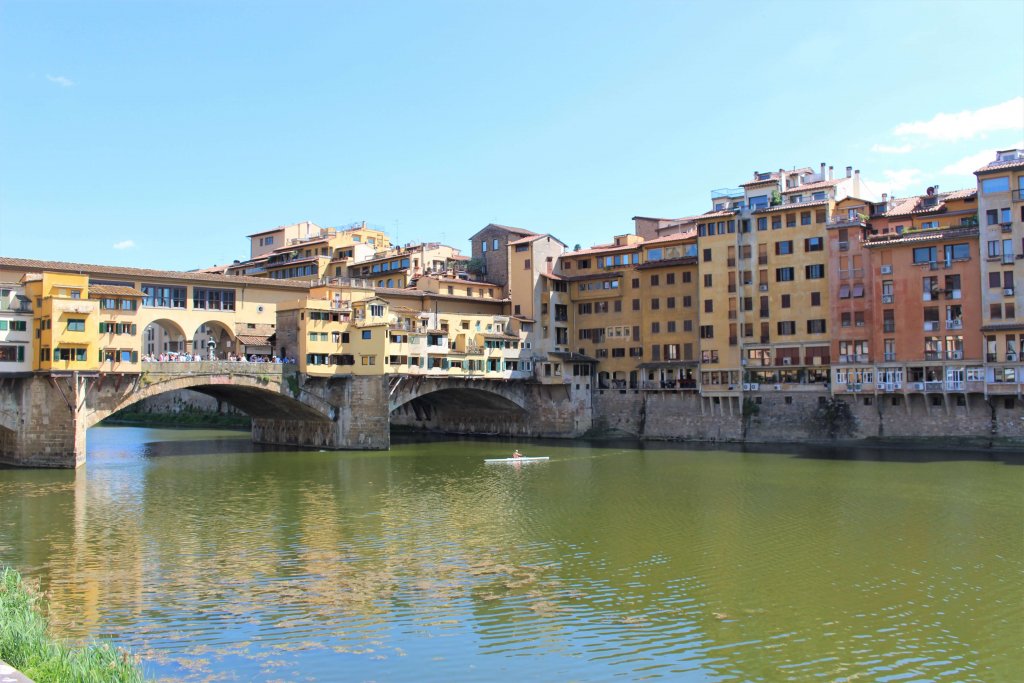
[
  {"x": 781, "y": 417},
  {"x": 48, "y": 433}
]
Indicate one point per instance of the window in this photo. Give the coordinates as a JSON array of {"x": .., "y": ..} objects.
[
  {"x": 670, "y": 302},
  {"x": 805, "y": 218},
  {"x": 654, "y": 281},
  {"x": 75, "y": 325},
  {"x": 367, "y": 334},
  {"x": 924, "y": 254},
  {"x": 494, "y": 245},
  {"x": 707, "y": 331},
  {"x": 785, "y": 301},
  {"x": 655, "y": 327},
  {"x": 815, "y": 298},
  {"x": 159, "y": 296},
  {"x": 816, "y": 327},
  {"x": 655, "y": 304},
  {"x": 707, "y": 255},
  {"x": 990, "y": 185},
  {"x": 787, "y": 327},
  {"x": 784, "y": 248},
  {"x": 783, "y": 274},
  {"x": 708, "y": 280},
  {"x": 814, "y": 271},
  {"x": 813, "y": 244},
  {"x": 213, "y": 299},
  {"x": 670, "y": 278},
  {"x": 526, "y": 264},
  {"x": 709, "y": 305},
  {"x": 762, "y": 223}
]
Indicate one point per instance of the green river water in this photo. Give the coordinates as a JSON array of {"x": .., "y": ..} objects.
[{"x": 214, "y": 559}]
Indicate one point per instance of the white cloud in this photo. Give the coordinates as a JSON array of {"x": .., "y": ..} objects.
[
  {"x": 902, "y": 179},
  {"x": 892, "y": 149},
  {"x": 124, "y": 244},
  {"x": 969, "y": 164},
  {"x": 61, "y": 80},
  {"x": 967, "y": 125}
]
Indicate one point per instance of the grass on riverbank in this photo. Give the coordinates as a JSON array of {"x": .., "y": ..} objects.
[{"x": 27, "y": 644}]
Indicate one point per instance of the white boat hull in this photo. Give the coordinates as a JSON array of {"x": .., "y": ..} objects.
[{"x": 524, "y": 459}]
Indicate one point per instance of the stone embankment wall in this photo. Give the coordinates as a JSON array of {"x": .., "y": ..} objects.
[
  {"x": 185, "y": 400},
  {"x": 797, "y": 416}
]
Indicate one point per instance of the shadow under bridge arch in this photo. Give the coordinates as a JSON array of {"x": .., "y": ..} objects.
[
  {"x": 462, "y": 410},
  {"x": 255, "y": 396}
]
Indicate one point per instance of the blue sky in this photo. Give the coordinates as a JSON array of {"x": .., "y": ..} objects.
[{"x": 159, "y": 134}]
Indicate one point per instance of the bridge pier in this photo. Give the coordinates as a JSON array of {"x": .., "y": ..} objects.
[
  {"x": 43, "y": 425},
  {"x": 357, "y": 417}
]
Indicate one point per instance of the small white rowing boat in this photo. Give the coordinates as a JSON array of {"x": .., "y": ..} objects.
[{"x": 539, "y": 458}]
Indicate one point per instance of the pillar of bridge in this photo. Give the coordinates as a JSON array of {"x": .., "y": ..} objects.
[
  {"x": 355, "y": 416},
  {"x": 47, "y": 428}
]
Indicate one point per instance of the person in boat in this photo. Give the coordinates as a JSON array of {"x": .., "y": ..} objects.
[{"x": 517, "y": 454}]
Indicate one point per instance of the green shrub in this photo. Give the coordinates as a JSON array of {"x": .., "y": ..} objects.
[{"x": 27, "y": 644}]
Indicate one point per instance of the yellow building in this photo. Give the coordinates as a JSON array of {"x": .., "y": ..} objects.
[
  {"x": 342, "y": 330},
  {"x": 119, "y": 332},
  {"x": 66, "y": 321}
]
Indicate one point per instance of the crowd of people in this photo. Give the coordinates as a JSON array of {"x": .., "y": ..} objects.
[{"x": 173, "y": 357}]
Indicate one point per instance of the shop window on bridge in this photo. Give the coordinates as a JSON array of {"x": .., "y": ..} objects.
[{"x": 158, "y": 296}]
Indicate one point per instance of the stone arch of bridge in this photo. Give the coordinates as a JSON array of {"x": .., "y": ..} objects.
[
  {"x": 257, "y": 397},
  {"x": 461, "y": 399}
]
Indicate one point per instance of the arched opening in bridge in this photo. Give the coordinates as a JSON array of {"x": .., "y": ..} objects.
[
  {"x": 163, "y": 337},
  {"x": 224, "y": 341},
  {"x": 461, "y": 411}
]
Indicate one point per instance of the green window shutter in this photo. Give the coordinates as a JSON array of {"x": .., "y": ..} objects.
[
  {"x": 21, "y": 354},
  {"x": 135, "y": 356},
  {"x": 134, "y": 328}
]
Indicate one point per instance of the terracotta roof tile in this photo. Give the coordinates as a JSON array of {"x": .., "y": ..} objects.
[
  {"x": 143, "y": 273},
  {"x": 767, "y": 181},
  {"x": 114, "y": 290},
  {"x": 1000, "y": 166},
  {"x": 820, "y": 185},
  {"x": 923, "y": 236},
  {"x": 792, "y": 207}
]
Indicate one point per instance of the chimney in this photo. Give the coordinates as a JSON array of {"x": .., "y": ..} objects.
[
  {"x": 822, "y": 177},
  {"x": 885, "y": 198},
  {"x": 856, "y": 182},
  {"x": 831, "y": 173},
  {"x": 849, "y": 170}
]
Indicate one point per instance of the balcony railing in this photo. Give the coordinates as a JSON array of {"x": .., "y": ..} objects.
[
  {"x": 954, "y": 324},
  {"x": 851, "y": 273},
  {"x": 1018, "y": 195}
]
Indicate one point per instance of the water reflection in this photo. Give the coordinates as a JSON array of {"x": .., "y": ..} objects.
[{"x": 214, "y": 558}]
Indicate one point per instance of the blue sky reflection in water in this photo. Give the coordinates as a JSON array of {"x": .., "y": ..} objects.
[{"x": 213, "y": 558}]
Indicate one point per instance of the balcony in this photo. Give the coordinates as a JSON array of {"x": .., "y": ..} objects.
[
  {"x": 933, "y": 386},
  {"x": 1006, "y": 227},
  {"x": 762, "y": 260},
  {"x": 851, "y": 273},
  {"x": 732, "y": 315},
  {"x": 887, "y": 298},
  {"x": 1018, "y": 195},
  {"x": 954, "y": 294},
  {"x": 954, "y": 324},
  {"x": 890, "y": 358},
  {"x": 763, "y": 312},
  {"x": 931, "y": 325},
  {"x": 731, "y": 262}
]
